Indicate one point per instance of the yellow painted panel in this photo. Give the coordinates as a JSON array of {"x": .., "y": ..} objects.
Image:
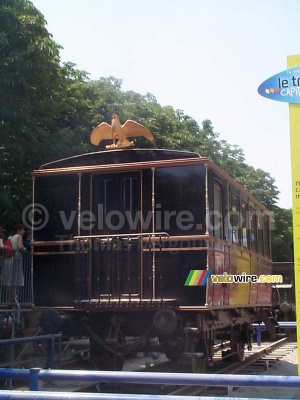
[
  {"x": 239, "y": 293},
  {"x": 294, "y": 111}
]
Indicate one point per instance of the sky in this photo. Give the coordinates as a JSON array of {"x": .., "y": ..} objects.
[{"x": 205, "y": 57}]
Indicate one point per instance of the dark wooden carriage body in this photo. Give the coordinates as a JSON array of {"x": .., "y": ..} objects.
[{"x": 124, "y": 229}]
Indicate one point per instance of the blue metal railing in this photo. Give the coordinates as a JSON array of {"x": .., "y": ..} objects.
[
  {"x": 36, "y": 375},
  {"x": 28, "y": 339},
  {"x": 91, "y": 396},
  {"x": 261, "y": 326}
]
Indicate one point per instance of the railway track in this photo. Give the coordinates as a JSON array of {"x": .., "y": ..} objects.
[{"x": 256, "y": 362}]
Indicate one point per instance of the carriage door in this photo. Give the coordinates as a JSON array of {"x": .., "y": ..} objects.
[{"x": 115, "y": 263}]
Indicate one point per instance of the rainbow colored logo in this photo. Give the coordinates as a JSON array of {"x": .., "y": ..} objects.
[
  {"x": 270, "y": 91},
  {"x": 197, "y": 277}
]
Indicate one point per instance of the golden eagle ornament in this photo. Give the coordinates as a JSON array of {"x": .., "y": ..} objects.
[{"x": 119, "y": 133}]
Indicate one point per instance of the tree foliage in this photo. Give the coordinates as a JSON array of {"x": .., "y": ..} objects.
[
  {"x": 37, "y": 98},
  {"x": 47, "y": 111},
  {"x": 282, "y": 235}
]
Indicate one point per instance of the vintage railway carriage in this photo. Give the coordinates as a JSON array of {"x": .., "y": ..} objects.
[{"x": 128, "y": 233}]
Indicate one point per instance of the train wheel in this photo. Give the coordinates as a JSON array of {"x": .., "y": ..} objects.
[{"x": 237, "y": 345}]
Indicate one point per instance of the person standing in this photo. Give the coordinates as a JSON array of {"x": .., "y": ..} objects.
[{"x": 12, "y": 271}]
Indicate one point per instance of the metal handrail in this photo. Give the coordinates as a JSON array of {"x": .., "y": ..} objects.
[
  {"x": 111, "y": 396},
  {"x": 28, "y": 339},
  {"x": 52, "y": 243},
  {"x": 6, "y": 394},
  {"x": 35, "y": 375},
  {"x": 124, "y": 235}
]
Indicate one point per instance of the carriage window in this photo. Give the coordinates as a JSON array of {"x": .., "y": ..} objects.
[
  {"x": 103, "y": 191},
  {"x": 217, "y": 223},
  {"x": 130, "y": 191},
  {"x": 260, "y": 236},
  {"x": 245, "y": 225},
  {"x": 234, "y": 221},
  {"x": 253, "y": 229},
  {"x": 267, "y": 237}
]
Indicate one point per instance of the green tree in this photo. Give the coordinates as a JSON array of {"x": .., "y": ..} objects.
[
  {"x": 282, "y": 235},
  {"x": 37, "y": 99},
  {"x": 47, "y": 111}
]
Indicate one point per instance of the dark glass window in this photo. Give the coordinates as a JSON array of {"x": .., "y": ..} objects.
[
  {"x": 217, "y": 220},
  {"x": 130, "y": 193},
  {"x": 245, "y": 225},
  {"x": 260, "y": 233},
  {"x": 253, "y": 229},
  {"x": 267, "y": 246},
  {"x": 234, "y": 219}
]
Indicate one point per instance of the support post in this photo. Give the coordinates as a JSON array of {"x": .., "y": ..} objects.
[
  {"x": 294, "y": 112},
  {"x": 34, "y": 383}
]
